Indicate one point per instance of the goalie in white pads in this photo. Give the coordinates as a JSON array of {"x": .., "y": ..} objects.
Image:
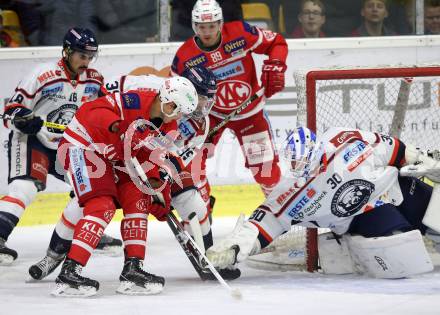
[{"x": 348, "y": 181}]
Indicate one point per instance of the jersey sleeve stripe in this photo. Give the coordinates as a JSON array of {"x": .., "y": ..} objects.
[
  {"x": 398, "y": 156},
  {"x": 264, "y": 237}
]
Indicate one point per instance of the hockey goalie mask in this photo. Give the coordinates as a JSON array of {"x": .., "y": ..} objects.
[
  {"x": 302, "y": 153},
  {"x": 181, "y": 92}
]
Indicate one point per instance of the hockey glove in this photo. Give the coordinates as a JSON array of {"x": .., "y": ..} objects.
[
  {"x": 161, "y": 203},
  {"x": 272, "y": 76},
  {"x": 24, "y": 120}
]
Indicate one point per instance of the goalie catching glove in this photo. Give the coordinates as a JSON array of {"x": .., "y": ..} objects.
[
  {"x": 420, "y": 163},
  {"x": 235, "y": 247}
]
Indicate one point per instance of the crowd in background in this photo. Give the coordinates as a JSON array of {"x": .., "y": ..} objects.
[{"x": 42, "y": 23}]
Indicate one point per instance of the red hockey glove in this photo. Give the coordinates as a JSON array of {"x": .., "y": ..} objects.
[
  {"x": 272, "y": 76},
  {"x": 135, "y": 139},
  {"x": 161, "y": 205}
]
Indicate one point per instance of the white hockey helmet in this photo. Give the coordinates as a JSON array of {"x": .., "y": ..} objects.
[
  {"x": 206, "y": 11},
  {"x": 181, "y": 92},
  {"x": 303, "y": 152}
]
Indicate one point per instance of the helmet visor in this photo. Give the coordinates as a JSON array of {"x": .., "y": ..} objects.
[
  {"x": 304, "y": 161},
  {"x": 203, "y": 107}
]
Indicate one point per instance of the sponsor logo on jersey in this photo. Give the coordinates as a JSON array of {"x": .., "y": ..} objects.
[
  {"x": 131, "y": 101},
  {"x": 232, "y": 93},
  {"x": 142, "y": 205},
  {"x": 353, "y": 151},
  {"x": 308, "y": 204},
  {"x": 62, "y": 116},
  {"x": 196, "y": 61},
  {"x": 228, "y": 71},
  {"x": 282, "y": 198},
  {"x": 52, "y": 89},
  {"x": 268, "y": 34},
  {"x": 80, "y": 173},
  {"x": 46, "y": 76},
  {"x": 234, "y": 45},
  {"x": 91, "y": 89},
  {"x": 186, "y": 129},
  {"x": 345, "y": 136},
  {"x": 351, "y": 197},
  {"x": 360, "y": 159},
  {"x": 302, "y": 201}
]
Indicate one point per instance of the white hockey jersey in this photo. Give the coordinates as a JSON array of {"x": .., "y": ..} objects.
[
  {"x": 50, "y": 93},
  {"x": 360, "y": 173},
  {"x": 125, "y": 83}
]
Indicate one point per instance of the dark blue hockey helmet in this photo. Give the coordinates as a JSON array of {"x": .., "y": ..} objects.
[
  {"x": 80, "y": 39},
  {"x": 205, "y": 82}
]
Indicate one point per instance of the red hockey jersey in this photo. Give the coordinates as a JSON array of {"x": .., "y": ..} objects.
[
  {"x": 90, "y": 128},
  {"x": 233, "y": 65}
]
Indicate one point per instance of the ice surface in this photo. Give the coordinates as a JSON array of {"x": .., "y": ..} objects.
[{"x": 264, "y": 292}]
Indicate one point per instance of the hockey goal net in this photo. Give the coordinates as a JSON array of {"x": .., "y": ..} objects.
[{"x": 404, "y": 102}]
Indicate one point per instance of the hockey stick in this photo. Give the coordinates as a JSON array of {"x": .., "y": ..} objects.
[
  {"x": 237, "y": 111},
  {"x": 188, "y": 153},
  {"x": 191, "y": 249},
  {"x": 187, "y": 244},
  {"x": 47, "y": 124}
]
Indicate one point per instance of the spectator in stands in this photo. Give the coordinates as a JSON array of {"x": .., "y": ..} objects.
[
  {"x": 311, "y": 19},
  {"x": 62, "y": 15},
  {"x": 374, "y": 12},
  {"x": 432, "y": 17},
  {"x": 6, "y": 40}
]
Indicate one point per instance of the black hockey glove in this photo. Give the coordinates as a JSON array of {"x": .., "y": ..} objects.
[{"x": 24, "y": 120}]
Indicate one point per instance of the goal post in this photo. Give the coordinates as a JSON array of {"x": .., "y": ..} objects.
[{"x": 403, "y": 101}]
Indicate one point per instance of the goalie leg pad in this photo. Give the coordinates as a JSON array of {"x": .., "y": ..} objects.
[
  {"x": 390, "y": 257},
  {"x": 432, "y": 214},
  {"x": 334, "y": 255}
]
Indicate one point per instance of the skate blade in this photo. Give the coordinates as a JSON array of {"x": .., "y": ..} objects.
[
  {"x": 110, "y": 251},
  {"x": 130, "y": 288},
  {"x": 64, "y": 290},
  {"x": 6, "y": 260}
]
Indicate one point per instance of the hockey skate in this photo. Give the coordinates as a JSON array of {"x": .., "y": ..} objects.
[
  {"x": 7, "y": 255},
  {"x": 136, "y": 281},
  {"x": 46, "y": 266},
  {"x": 109, "y": 246},
  {"x": 70, "y": 283}
]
